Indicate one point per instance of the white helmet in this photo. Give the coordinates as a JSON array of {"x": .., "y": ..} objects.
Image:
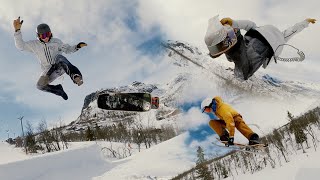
[
  {"x": 215, "y": 32},
  {"x": 219, "y": 38},
  {"x": 206, "y": 102}
]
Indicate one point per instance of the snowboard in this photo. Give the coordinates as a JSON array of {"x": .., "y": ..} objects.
[
  {"x": 139, "y": 102},
  {"x": 256, "y": 148}
]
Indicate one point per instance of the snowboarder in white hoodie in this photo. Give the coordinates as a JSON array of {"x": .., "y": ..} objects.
[
  {"x": 255, "y": 48},
  {"x": 48, "y": 51}
]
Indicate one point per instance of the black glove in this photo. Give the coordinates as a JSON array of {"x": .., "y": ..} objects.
[
  {"x": 81, "y": 44},
  {"x": 230, "y": 142}
]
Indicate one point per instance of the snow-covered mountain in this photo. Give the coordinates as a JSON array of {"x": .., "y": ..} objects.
[{"x": 168, "y": 94}]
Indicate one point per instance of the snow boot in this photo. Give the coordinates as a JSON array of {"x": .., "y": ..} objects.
[
  {"x": 61, "y": 92},
  {"x": 254, "y": 139},
  {"x": 224, "y": 136},
  {"x": 55, "y": 89}
]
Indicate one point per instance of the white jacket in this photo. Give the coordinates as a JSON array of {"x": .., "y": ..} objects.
[
  {"x": 272, "y": 34},
  {"x": 45, "y": 52}
]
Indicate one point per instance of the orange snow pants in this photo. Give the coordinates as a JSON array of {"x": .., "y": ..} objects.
[{"x": 219, "y": 125}]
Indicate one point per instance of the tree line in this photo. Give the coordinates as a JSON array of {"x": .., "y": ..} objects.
[{"x": 42, "y": 139}]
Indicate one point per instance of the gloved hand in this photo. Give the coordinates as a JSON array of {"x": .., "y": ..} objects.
[
  {"x": 17, "y": 24},
  {"x": 226, "y": 21},
  {"x": 81, "y": 44},
  {"x": 310, "y": 20},
  {"x": 230, "y": 142}
]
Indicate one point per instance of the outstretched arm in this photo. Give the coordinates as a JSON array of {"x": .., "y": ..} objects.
[
  {"x": 19, "y": 42},
  {"x": 291, "y": 31},
  {"x": 66, "y": 48}
]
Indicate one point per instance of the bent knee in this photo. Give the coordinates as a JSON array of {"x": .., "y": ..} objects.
[
  {"x": 40, "y": 86},
  {"x": 42, "y": 82}
]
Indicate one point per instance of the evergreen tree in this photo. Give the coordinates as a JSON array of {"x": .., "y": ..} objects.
[
  {"x": 99, "y": 133},
  {"x": 200, "y": 155},
  {"x": 201, "y": 168},
  {"x": 30, "y": 139},
  {"x": 297, "y": 129},
  {"x": 290, "y": 116},
  {"x": 89, "y": 134}
]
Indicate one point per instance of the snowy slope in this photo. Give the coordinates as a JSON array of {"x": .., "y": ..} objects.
[
  {"x": 87, "y": 161},
  {"x": 9, "y": 153},
  {"x": 80, "y": 163},
  {"x": 160, "y": 162}
]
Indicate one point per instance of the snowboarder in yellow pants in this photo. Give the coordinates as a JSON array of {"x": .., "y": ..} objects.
[{"x": 229, "y": 119}]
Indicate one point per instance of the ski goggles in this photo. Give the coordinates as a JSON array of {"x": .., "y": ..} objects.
[
  {"x": 226, "y": 44},
  {"x": 206, "y": 109},
  {"x": 45, "y": 35},
  {"x": 211, "y": 107}
]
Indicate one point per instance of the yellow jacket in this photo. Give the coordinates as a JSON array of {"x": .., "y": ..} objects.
[{"x": 226, "y": 113}]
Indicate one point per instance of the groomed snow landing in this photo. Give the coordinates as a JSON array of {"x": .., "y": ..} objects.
[{"x": 79, "y": 164}]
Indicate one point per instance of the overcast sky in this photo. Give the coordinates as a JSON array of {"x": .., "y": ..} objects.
[{"x": 119, "y": 34}]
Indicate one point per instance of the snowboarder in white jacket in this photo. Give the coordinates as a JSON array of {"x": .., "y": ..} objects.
[
  {"x": 252, "y": 50},
  {"x": 48, "y": 51}
]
